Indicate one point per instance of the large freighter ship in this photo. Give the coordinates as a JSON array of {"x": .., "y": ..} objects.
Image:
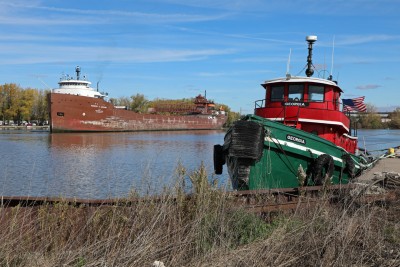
[{"x": 77, "y": 107}]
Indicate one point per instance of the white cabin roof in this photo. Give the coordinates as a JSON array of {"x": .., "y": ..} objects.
[
  {"x": 301, "y": 79},
  {"x": 77, "y": 87}
]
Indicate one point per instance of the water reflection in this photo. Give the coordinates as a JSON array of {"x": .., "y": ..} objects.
[
  {"x": 99, "y": 165},
  {"x": 68, "y": 141}
]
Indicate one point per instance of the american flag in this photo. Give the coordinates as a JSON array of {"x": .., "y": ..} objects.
[{"x": 354, "y": 104}]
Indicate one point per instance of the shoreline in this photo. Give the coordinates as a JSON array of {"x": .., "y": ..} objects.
[
  {"x": 386, "y": 165},
  {"x": 24, "y": 127}
]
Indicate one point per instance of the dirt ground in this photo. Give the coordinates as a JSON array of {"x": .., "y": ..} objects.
[{"x": 383, "y": 165}]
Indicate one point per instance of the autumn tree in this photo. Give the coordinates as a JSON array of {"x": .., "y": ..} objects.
[
  {"x": 2, "y": 103},
  {"x": 40, "y": 109},
  {"x": 11, "y": 100},
  {"x": 232, "y": 116},
  {"x": 395, "y": 119},
  {"x": 25, "y": 105},
  {"x": 139, "y": 103},
  {"x": 20, "y": 104}
]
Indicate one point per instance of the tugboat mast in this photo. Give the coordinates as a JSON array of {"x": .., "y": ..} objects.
[{"x": 310, "y": 39}]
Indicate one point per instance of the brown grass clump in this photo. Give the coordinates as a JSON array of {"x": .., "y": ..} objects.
[
  {"x": 325, "y": 235},
  {"x": 201, "y": 230}
]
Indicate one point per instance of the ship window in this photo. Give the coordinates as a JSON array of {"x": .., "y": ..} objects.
[
  {"x": 316, "y": 93},
  {"x": 60, "y": 114},
  {"x": 277, "y": 93},
  {"x": 296, "y": 92}
]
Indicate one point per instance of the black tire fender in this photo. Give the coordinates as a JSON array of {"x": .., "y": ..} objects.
[
  {"x": 323, "y": 167},
  {"x": 219, "y": 159},
  {"x": 349, "y": 165}
]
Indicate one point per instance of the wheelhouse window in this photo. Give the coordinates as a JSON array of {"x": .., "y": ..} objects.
[
  {"x": 296, "y": 92},
  {"x": 277, "y": 92},
  {"x": 316, "y": 93}
]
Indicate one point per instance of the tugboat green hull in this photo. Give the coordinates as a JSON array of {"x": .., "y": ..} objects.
[{"x": 263, "y": 154}]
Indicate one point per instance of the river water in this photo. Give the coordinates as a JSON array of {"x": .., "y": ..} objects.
[
  {"x": 100, "y": 165},
  {"x": 106, "y": 165}
]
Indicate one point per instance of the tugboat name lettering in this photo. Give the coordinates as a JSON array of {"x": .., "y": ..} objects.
[
  {"x": 295, "y": 139},
  {"x": 300, "y": 104}
]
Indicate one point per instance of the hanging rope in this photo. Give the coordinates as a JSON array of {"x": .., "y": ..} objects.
[
  {"x": 293, "y": 170},
  {"x": 269, "y": 161}
]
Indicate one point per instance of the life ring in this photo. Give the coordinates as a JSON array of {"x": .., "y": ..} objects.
[
  {"x": 349, "y": 165},
  {"x": 323, "y": 167},
  {"x": 219, "y": 159}
]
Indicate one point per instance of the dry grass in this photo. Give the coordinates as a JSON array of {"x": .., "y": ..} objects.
[
  {"x": 366, "y": 235},
  {"x": 204, "y": 230}
]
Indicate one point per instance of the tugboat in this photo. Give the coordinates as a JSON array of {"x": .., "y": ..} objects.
[
  {"x": 298, "y": 136},
  {"x": 77, "y": 107}
]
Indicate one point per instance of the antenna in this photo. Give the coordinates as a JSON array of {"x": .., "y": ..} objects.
[
  {"x": 37, "y": 76},
  {"x": 333, "y": 50},
  {"x": 288, "y": 64},
  {"x": 310, "y": 40}
]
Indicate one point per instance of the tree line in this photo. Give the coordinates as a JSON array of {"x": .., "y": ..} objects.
[
  {"x": 22, "y": 104},
  {"x": 372, "y": 120}
]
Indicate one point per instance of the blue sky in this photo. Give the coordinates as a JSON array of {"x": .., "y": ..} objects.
[{"x": 180, "y": 48}]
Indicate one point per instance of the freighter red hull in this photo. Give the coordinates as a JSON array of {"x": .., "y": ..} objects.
[{"x": 73, "y": 113}]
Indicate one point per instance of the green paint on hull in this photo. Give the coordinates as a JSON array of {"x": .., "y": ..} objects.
[{"x": 285, "y": 149}]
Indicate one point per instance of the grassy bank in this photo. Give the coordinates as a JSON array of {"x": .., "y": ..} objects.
[{"x": 205, "y": 230}]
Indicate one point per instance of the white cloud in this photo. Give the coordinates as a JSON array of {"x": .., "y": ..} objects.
[
  {"x": 231, "y": 5},
  {"x": 35, "y": 54},
  {"x": 232, "y": 73},
  {"x": 363, "y": 39},
  {"x": 368, "y": 86},
  {"x": 326, "y": 7},
  {"x": 74, "y": 16}
]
